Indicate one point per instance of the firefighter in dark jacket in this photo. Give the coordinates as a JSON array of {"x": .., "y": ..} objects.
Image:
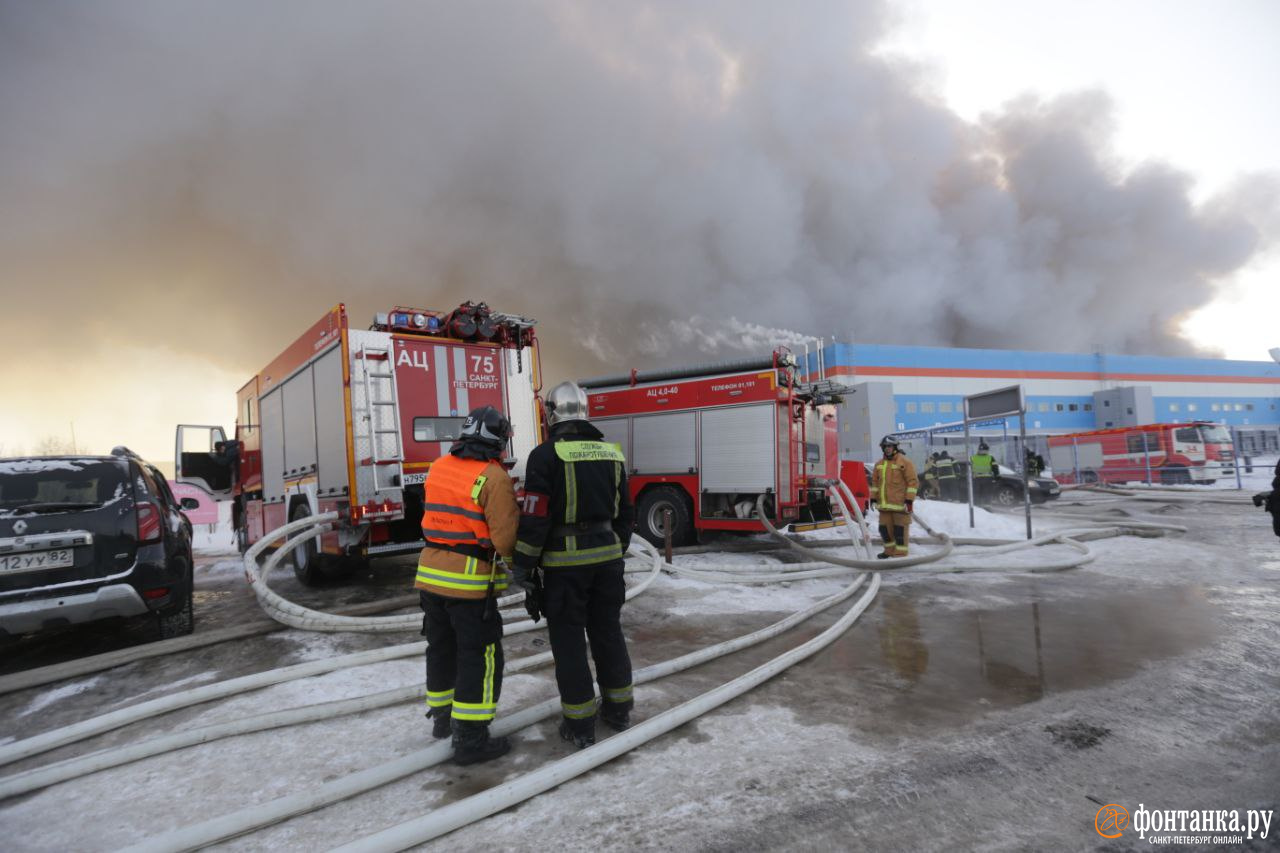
[
  {"x": 575, "y": 525},
  {"x": 1270, "y": 501},
  {"x": 947, "y": 476},
  {"x": 469, "y": 520}
]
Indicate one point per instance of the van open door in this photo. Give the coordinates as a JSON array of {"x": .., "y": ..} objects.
[{"x": 203, "y": 457}]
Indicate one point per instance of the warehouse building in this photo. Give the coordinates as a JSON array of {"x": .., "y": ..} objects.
[{"x": 899, "y": 389}]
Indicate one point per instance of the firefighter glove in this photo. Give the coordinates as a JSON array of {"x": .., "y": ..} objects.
[
  {"x": 533, "y": 604},
  {"x": 909, "y": 505}
]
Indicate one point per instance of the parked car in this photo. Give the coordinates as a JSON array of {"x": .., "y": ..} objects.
[
  {"x": 84, "y": 538},
  {"x": 1007, "y": 489}
]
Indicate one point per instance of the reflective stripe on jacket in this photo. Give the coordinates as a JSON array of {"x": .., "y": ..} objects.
[
  {"x": 574, "y": 479},
  {"x": 894, "y": 482},
  {"x": 946, "y": 469},
  {"x": 469, "y": 513}
]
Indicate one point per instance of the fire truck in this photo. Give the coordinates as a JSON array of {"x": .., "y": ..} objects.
[
  {"x": 704, "y": 442},
  {"x": 1163, "y": 453},
  {"x": 349, "y": 420}
]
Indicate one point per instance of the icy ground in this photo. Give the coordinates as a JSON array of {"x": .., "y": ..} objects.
[{"x": 948, "y": 717}]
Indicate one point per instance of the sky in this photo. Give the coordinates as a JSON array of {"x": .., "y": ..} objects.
[{"x": 185, "y": 189}]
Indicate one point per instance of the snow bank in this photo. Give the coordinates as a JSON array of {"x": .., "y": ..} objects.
[{"x": 215, "y": 538}]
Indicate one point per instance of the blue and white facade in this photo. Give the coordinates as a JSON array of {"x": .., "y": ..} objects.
[{"x": 1065, "y": 391}]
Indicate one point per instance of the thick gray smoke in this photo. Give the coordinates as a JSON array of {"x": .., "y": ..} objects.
[{"x": 644, "y": 178}]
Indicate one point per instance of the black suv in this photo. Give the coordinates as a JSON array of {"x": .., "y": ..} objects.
[{"x": 88, "y": 537}]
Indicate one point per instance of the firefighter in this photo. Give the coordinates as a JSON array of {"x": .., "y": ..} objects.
[
  {"x": 893, "y": 489},
  {"x": 469, "y": 522},
  {"x": 984, "y": 472},
  {"x": 946, "y": 476},
  {"x": 1270, "y": 501},
  {"x": 575, "y": 525},
  {"x": 929, "y": 477},
  {"x": 1035, "y": 463}
]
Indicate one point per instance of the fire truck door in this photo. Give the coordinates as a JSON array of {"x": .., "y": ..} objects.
[{"x": 200, "y": 458}]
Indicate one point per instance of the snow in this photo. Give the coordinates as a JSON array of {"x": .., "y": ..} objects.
[
  {"x": 215, "y": 538},
  {"x": 33, "y": 466},
  {"x": 48, "y": 697}
]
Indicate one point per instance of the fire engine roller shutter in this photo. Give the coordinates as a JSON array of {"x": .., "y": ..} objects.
[
  {"x": 615, "y": 432},
  {"x": 738, "y": 449},
  {"x": 331, "y": 434},
  {"x": 663, "y": 444},
  {"x": 299, "y": 423},
  {"x": 271, "y": 413}
]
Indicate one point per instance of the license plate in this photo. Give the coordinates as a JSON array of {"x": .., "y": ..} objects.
[{"x": 34, "y": 561}]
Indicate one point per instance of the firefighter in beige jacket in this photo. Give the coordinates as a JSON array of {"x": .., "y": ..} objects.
[
  {"x": 469, "y": 521},
  {"x": 893, "y": 490}
]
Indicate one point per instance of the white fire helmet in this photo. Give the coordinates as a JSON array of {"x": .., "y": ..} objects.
[{"x": 566, "y": 402}]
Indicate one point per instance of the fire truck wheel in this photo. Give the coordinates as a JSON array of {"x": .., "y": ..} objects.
[
  {"x": 1088, "y": 476},
  {"x": 653, "y": 504},
  {"x": 306, "y": 557}
]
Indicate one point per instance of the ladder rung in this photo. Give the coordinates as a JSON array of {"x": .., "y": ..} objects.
[
  {"x": 373, "y": 355},
  {"x": 383, "y": 402},
  {"x": 379, "y": 375},
  {"x": 386, "y": 431},
  {"x": 367, "y": 461}
]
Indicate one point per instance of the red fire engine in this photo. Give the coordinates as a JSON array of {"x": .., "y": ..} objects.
[
  {"x": 705, "y": 442},
  {"x": 349, "y": 420},
  {"x": 1164, "y": 453}
]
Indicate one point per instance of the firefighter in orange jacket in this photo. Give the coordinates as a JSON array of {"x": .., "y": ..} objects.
[
  {"x": 469, "y": 520},
  {"x": 893, "y": 490}
]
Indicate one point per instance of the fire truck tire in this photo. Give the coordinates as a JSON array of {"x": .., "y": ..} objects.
[
  {"x": 649, "y": 512},
  {"x": 1088, "y": 476},
  {"x": 306, "y": 555}
]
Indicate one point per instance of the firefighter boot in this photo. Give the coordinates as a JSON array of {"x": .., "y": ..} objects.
[
  {"x": 441, "y": 726},
  {"x": 615, "y": 716},
  {"x": 472, "y": 744},
  {"x": 581, "y": 733},
  {"x": 888, "y": 543}
]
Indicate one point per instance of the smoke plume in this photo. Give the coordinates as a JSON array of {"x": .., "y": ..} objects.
[{"x": 205, "y": 179}]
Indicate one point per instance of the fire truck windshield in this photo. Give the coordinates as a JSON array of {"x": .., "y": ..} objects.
[
  {"x": 437, "y": 429},
  {"x": 1215, "y": 435}
]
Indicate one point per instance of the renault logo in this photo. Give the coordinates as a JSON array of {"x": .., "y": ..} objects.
[{"x": 19, "y": 527}]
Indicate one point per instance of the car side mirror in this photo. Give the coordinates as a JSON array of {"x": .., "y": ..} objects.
[{"x": 189, "y": 503}]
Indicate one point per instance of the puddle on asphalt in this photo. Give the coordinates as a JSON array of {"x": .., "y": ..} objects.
[{"x": 940, "y": 663}]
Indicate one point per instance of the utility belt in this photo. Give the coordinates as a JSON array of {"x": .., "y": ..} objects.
[
  {"x": 476, "y": 551},
  {"x": 582, "y": 528}
]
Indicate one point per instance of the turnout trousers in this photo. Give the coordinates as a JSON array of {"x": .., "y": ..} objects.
[
  {"x": 584, "y": 608},
  {"x": 464, "y": 657},
  {"x": 894, "y": 530}
]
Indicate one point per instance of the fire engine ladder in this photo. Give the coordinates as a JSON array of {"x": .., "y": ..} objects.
[{"x": 378, "y": 376}]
